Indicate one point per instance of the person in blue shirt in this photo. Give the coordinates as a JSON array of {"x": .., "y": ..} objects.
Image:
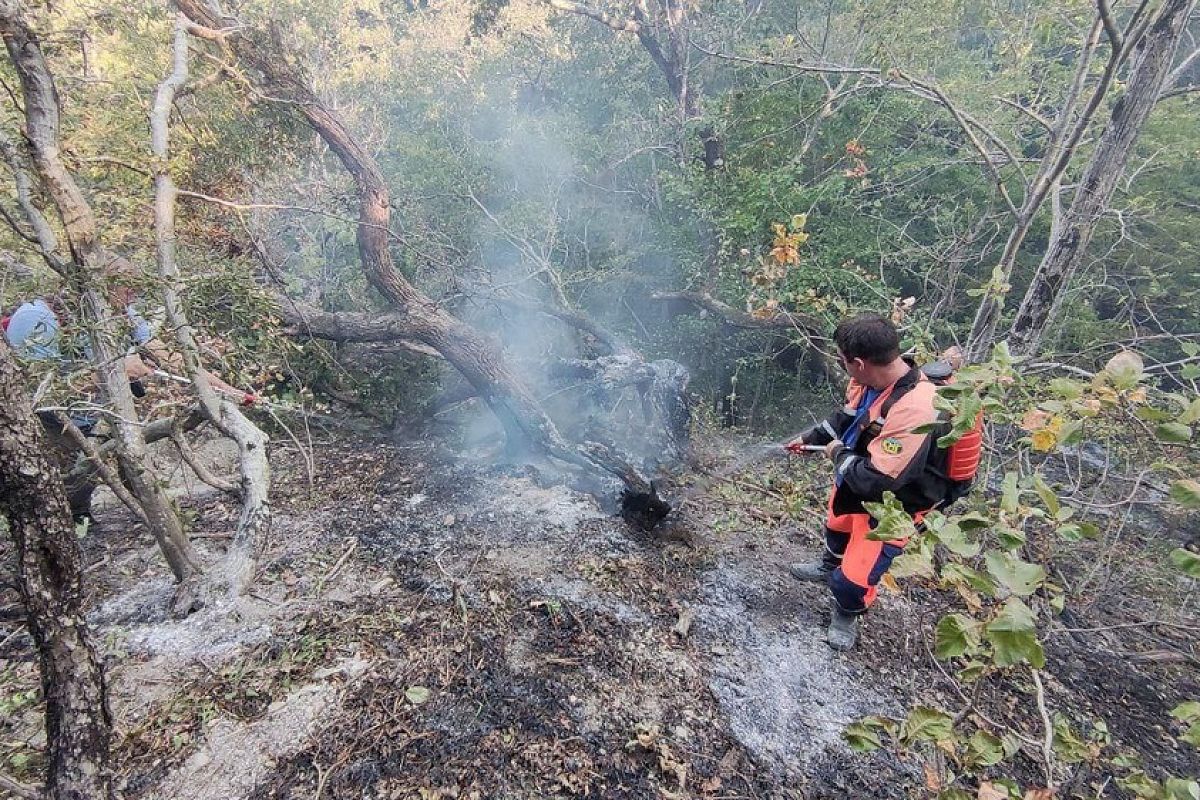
[{"x": 36, "y": 332}]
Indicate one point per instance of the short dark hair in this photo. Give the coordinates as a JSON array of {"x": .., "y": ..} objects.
[{"x": 870, "y": 337}]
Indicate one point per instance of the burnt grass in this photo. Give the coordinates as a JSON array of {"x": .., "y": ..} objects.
[{"x": 521, "y": 643}]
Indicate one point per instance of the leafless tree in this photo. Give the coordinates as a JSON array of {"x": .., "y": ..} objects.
[
  {"x": 415, "y": 317},
  {"x": 664, "y": 30},
  {"x": 1151, "y": 75}
]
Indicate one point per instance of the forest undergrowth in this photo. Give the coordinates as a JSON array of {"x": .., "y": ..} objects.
[{"x": 439, "y": 628}]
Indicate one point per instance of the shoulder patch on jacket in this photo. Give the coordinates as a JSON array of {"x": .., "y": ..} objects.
[{"x": 891, "y": 446}]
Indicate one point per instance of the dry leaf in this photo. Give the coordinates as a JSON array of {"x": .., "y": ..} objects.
[
  {"x": 1039, "y": 794},
  {"x": 933, "y": 781},
  {"x": 1035, "y": 419},
  {"x": 989, "y": 792}
]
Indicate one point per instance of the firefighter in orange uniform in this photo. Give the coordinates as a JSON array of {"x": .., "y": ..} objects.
[{"x": 874, "y": 448}]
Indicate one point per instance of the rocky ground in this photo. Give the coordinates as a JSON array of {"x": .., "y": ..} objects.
[{"x": 424, "y": 625}]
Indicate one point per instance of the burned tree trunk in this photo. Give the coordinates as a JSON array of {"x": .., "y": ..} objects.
[
  {"x": 417, "y": 317},
  {"x": 32, "y": 500},
  {"x": 83, "y": 270},
  {"x": 1071, "y": 238}
]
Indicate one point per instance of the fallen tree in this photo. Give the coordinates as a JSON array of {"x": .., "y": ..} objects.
[{"x": 415, "y": 317}]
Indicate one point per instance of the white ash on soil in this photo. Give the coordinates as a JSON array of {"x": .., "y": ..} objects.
[
  {"x": 213, "y": 634},
  {"x": 786, "y": 694},
  {"x": 237, "y": 756}
]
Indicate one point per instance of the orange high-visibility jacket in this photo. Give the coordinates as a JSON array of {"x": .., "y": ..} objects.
[{"x": 889, "y": 454}]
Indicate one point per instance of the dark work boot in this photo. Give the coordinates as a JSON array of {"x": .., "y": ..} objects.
[
  {"x": 813, "y": 571},
  {"x": 843, "y": 629}
]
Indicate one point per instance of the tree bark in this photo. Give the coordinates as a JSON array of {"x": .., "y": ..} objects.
[
  {"x": 32, "y": 500},
  {"x": 254, "y": 523},
  {"x": 1069, "y": 242},
  {"x": 87, "y": 263},
  {"x": 1066, "y": 135}
]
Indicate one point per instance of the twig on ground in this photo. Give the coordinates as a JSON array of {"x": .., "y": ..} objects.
[
  {"x": 1048, "y": 727},
  {"x": 337, "y": 566},
  {"x": 20, "y": 789}
]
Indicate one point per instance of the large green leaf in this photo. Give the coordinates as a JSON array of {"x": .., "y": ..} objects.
[
  {"x": 955, "y": 540},
  {"x": 1047, "y": 495},
  {"x": 1010, "y": 493},
  {"x": 1066, "y": 388},
  {"x": 1010, "y": 538},
  {"x": 892, "y": 521},
  {"x": 867, "y": 734},
  {"x": 1187, "y": 561},
  {"x": 925, "y": 724},
  {"x": 1186, "y": 493},
  {"x": 1173, "y": 432},
  {"x": 1019, "y": 577},
  {"x": 960, "y": 574},
  {"x": 955, "y": 635},
  {"x": 1191, "y": 413},
  {"x": 1067, "y": 744},
  {"x": 914, "y": 562},
  {"x": 1186, "y": 712},
  {"x": 1013, "y": 636},
  {"x": 1125, "y": 369},
  {"x": 1142, "y": 786},
  {"x": 1078, "y": 531},
  {"x": 1192, "y": 734},
  {"x": 1181, "y": 789},
  {"x": 862, "y": 738},
  {"x": 984, "y": 749}
]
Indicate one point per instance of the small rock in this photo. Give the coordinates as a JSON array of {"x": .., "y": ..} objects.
[
  {"x": 377, "y": 508},
  {"x": 684, "y": 625},
  {"x": 448, "y": 520}
]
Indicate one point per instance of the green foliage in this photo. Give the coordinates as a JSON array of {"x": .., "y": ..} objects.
[
  {"x": 1187, "y": 561},
  {"x": 956, "y": 635},
  {"x": 1013, "y": 636},
  {"x": 892, "y": 521},
  {"x": 925, "y": 724},
  {"x": 993, "y": 555},
  {"x": 1186, "y": 493},
  {"x": 1189, "y": 714}
]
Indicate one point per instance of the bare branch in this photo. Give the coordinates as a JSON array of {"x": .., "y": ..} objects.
[
  {"x": 1110, "y": 25},
  {"x": 349, "y": 326},
  {"x": 896, "y": 80},
  {"x": 608, "y": 20},
  {"x": 255, "y": 519},
  {"x": 782, "y": 320},
  {"x": 102, "y": 468},
  {"x": 198, "y": 467},
  {"x": 1179, "y": 92},
  {"x": 1177, "y": 74},
  {"x": 1029, "y": 112},
  {"x": 211, "y": 34},
  {"x": 44, "y": 235}
]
